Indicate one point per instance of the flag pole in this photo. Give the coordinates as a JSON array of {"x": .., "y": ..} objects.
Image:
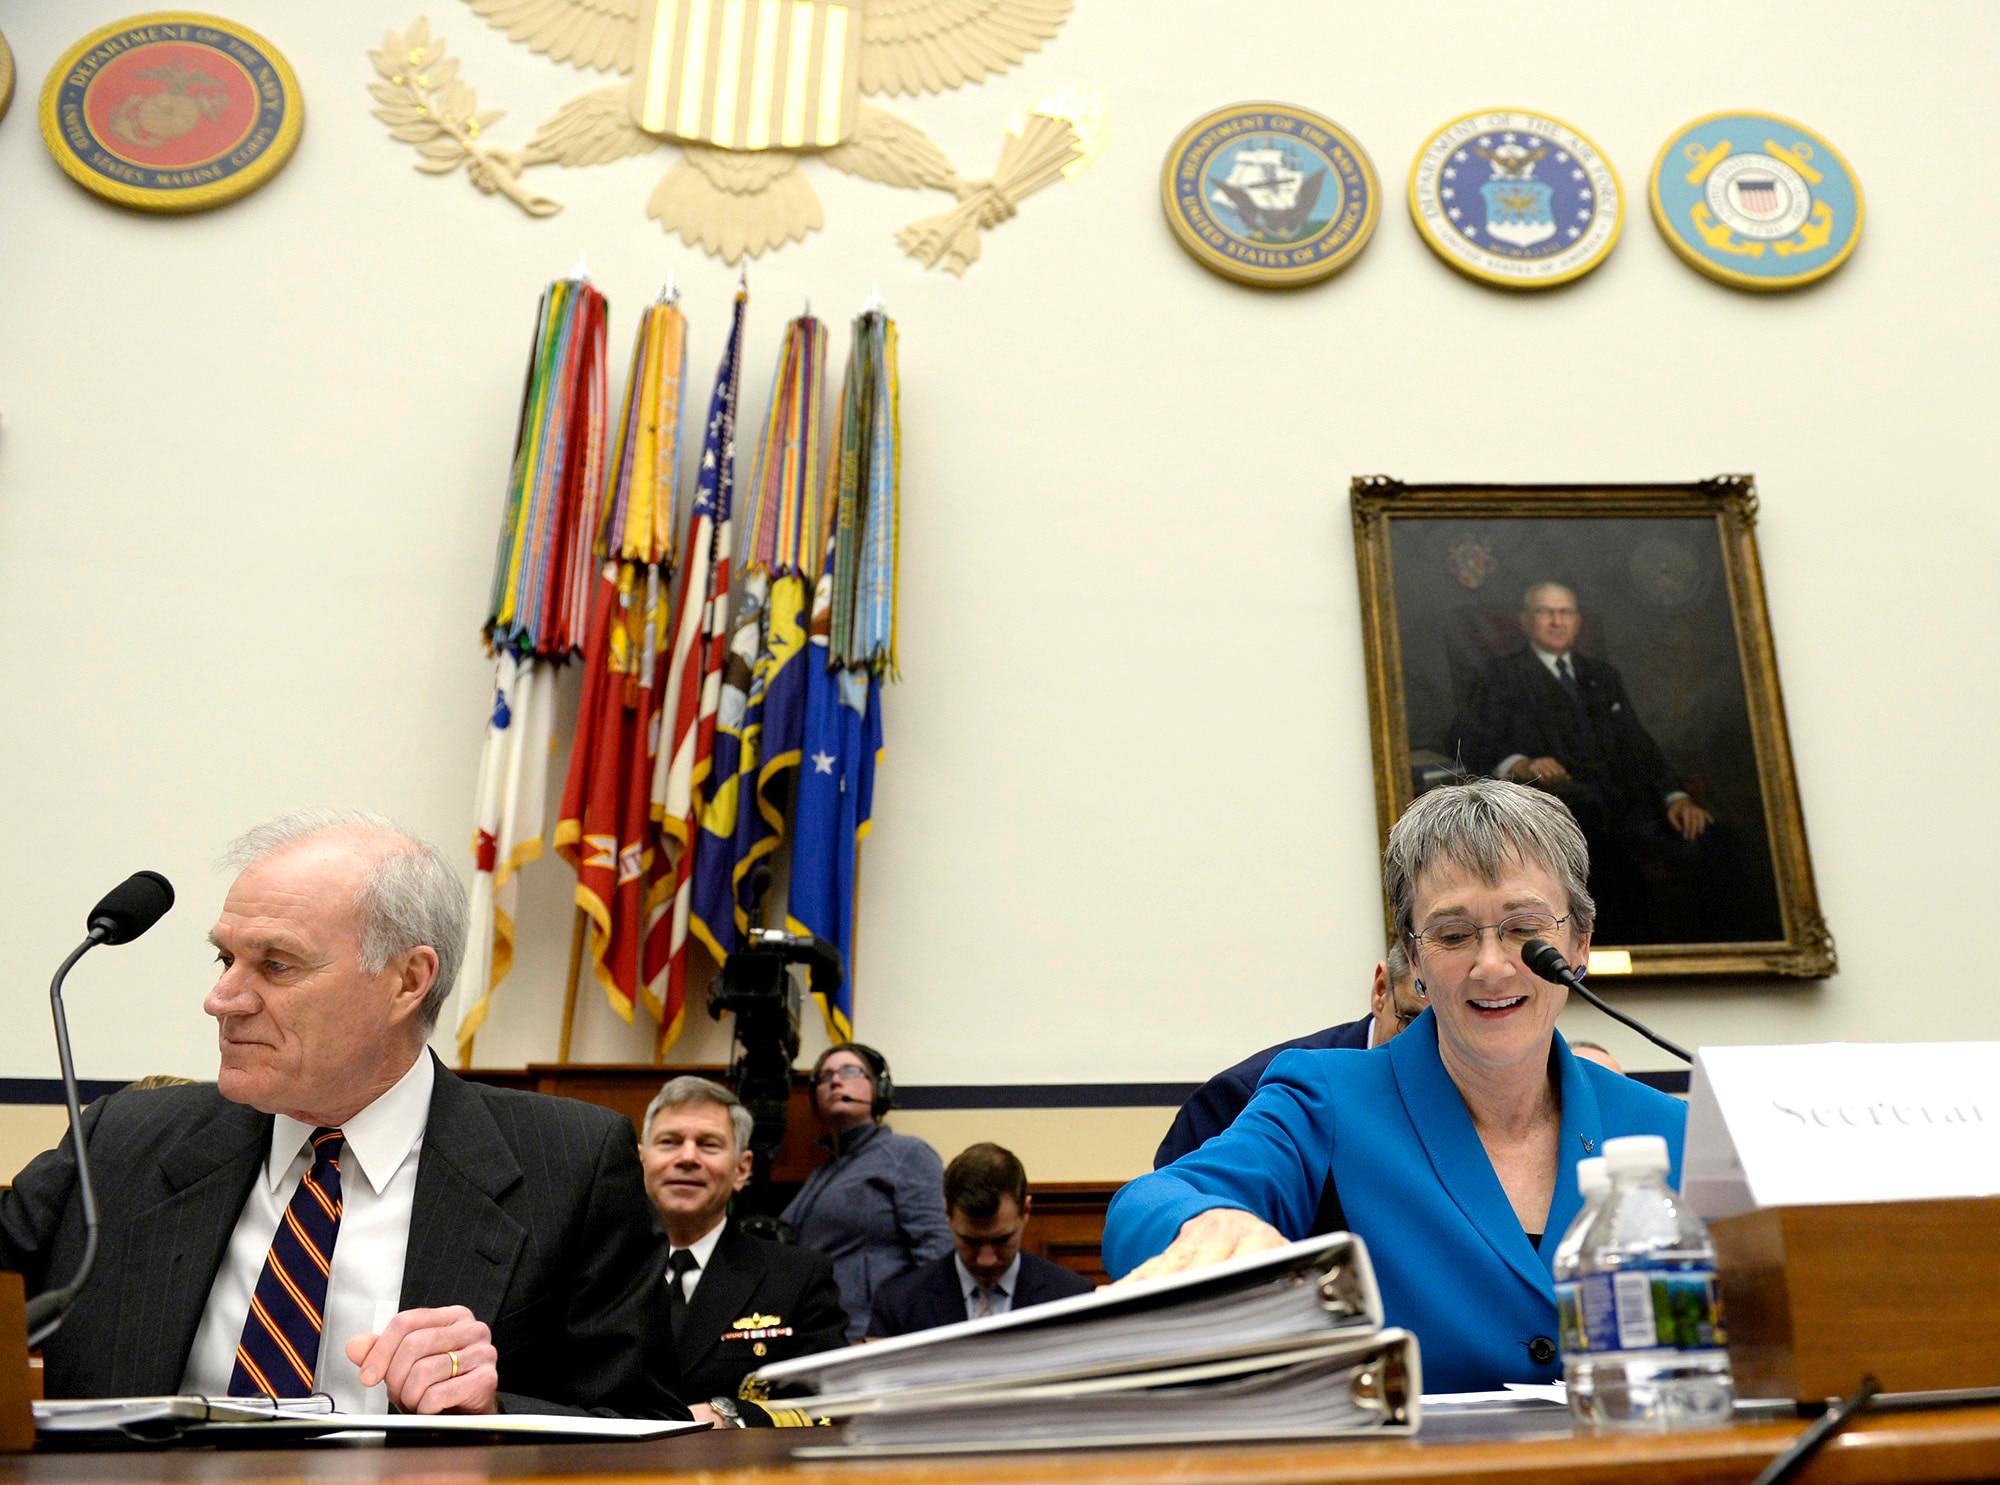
[{"x": 575, "y": 974}]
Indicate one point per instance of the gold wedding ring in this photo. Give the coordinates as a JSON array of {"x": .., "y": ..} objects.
[{"x": 454, "y": 1363}]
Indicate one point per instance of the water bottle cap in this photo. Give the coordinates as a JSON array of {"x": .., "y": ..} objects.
[
  {"x": 1636, "y": 1154},
  {"x": 1593, "y": 1177}
]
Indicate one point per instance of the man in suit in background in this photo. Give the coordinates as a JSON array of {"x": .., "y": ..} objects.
[
  {"x": 338, "y": 1213},
  {"x": 987, "y": 1203},
  {"x": 1393, "y": 1003},
  {"x": 730, "y": 1302},
  {"x": 1662, "y": 871}
]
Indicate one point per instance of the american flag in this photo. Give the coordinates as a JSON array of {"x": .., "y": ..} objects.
[{"x": 694, "y": 685}]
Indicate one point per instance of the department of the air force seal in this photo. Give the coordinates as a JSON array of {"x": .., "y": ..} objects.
[
  {"x": 172, "y": 111},
  {"x": 1756, "y": 201},
  {"x": 1269, "y": 194},
  {"x": 1515, "y": 199}
]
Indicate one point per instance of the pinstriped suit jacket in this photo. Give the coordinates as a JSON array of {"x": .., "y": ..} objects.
[{"x": 528, "y": 1210}]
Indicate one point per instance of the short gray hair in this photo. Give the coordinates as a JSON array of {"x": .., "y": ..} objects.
[
  {"x": 1482, "y": 826},
  {"x": 411, "y": 896},
  {"x": 686, "y": 1089}
]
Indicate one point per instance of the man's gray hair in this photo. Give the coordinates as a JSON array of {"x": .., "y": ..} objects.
[
  {"x": 1483, "y": 826},
  {"x": 686, "y": 1089},
  {"x": 1528, "y": 593},
  {"x": 1398, "y": 960},
  {"x": 410, "y": 896}
]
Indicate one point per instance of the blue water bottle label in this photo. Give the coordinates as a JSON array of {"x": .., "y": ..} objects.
[{"x": 1645, "y": 1309}]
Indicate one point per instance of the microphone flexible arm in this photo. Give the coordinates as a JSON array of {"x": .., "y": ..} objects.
[
  {"x": 1547, "y": 962},
  {"x": 47, "y": 1310}
]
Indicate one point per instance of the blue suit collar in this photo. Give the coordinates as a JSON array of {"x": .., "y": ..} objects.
[{"x": 1437, "y": 1112}]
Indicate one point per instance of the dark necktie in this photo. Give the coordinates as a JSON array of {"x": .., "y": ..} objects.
[
  {"x": 680, "y": 1263},
  {"x": 1568, "y": 678},
  {"x": 280, "y": 1346}
]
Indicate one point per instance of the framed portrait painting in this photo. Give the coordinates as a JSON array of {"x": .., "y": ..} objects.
[{"x": 1610, "y": 644}]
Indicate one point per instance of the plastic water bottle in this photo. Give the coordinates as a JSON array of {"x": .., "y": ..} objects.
[
  {"x": 1593, "y": 1181},
  {"x": 1649, "y": 1311}
]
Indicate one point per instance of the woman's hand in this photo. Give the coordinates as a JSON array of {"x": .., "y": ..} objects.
[{"x": 1210, "y": 1237}]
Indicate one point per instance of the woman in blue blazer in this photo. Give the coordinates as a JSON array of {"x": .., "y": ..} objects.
[{"x": 1453, "y": 1149}]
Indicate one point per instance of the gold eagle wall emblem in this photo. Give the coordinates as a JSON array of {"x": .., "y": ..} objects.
[{"x": 746, "y": 89}]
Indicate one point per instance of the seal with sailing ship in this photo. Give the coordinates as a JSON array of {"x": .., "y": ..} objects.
[{"x": 1269, "y": 194}]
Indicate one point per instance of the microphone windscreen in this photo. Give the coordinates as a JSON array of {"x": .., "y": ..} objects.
[
  {"x": 133, "y": 906},
  {"x": 1546, "y": 960}
]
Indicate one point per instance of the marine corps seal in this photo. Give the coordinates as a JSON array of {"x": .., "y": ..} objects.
[
  {"x": 172, "y": 112},
  {"x": 1515, "y": 199},
  {"x": 1269, "y": 194},
  {"x": 1756, "y": 201}
]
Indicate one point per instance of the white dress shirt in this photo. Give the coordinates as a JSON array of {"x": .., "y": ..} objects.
[
  {"x": 1001, "y": 1294},
  {"x": 702, "y": 1247},
  {"x": 378, "y": 1181}
]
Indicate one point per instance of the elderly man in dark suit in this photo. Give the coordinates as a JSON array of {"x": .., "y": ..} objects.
[
  {"x": 732, "y": 1302},
  {"x": 1662, "y": 870},
  {"x": 1393, "y": 1003},
  {"x": 337, "y": 1212},
  {"x": 987, "y": 1203}
]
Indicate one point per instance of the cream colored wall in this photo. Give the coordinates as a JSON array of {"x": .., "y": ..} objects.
[{"x": 251, "y": 464}]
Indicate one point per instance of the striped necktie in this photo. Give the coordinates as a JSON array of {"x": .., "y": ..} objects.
[{"x": 280, "y": 1346}]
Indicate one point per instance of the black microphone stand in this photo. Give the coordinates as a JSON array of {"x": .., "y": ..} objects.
[
  {"x": 1546, "y": 961},
  {"x": 46, "y": 1310}
]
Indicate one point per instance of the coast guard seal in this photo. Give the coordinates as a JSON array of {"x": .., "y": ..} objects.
[
  {"x": 1515, "y": 199},
  {"x": 1269, "y": 194},
  {"x": 172, "y": 111},
  {"x": 1755, "y": 200}
]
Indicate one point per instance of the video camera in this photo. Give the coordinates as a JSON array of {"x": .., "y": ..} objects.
[{"x": 757, "y": 987}]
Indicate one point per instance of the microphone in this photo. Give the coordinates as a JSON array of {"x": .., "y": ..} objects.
[
  {"x": 131, "y": 907},
  {"x": 125, "y": 912},
  {"x": 1547, "y": 962}
]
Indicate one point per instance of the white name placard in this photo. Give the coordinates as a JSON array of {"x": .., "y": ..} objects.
[{"x": 1841, "y": 1122}]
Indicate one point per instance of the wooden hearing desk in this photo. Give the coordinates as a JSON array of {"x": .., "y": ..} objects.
[{"x": 1956, "y": 1444}]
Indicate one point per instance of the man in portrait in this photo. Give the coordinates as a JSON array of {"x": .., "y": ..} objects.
[{"x": 1663, "y": 870}]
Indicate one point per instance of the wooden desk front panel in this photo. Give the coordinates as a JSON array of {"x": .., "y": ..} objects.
[{"x": 1939, "y": 1446}]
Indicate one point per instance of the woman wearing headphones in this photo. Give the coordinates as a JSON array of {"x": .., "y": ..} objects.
[{"x": 877, "y": 1207}]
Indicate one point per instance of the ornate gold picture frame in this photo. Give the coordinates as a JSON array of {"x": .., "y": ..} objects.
[{"x": 1609, "y": 643}]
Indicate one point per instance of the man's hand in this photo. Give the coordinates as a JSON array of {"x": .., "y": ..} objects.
[
  {"x": 703, "y": 1413},
  {"x": 1537, "y": 771},
  {"x": 1209, "y": 1237},
  {"x": 1689, "y": 818},
  {"x": 434, "y": 1361}
]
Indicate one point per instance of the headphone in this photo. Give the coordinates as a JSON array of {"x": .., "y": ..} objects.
[{"x": 878, "y": 1072}]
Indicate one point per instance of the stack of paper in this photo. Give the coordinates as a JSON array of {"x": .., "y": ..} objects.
[
  {"x": 1287, "y": 1343},
  {"x": 237, "y": 1420}
]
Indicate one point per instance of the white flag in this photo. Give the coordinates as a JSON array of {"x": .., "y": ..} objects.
[{"x": 507, "y": 834}]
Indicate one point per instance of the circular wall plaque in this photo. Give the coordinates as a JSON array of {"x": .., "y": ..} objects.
[
  {"x": 1516, "y": 199},
  {"x": 1755, "y": 200},
  {"x": 172, "y": 111},
  {"x": 1269, "y": 194},
  {"x": 6, "y": 77}
]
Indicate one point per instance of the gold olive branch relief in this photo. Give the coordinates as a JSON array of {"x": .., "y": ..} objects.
[{"x": 426, "y": 103}]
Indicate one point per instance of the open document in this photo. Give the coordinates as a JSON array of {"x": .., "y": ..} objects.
[
  {"x": 243, "y": 1419},
  {"x": 1283, "y": 1342}
]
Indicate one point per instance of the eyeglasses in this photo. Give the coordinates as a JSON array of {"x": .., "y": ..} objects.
[
  {"x": 840, "y": 1075},
  {"x": 1457, "y": 937}
]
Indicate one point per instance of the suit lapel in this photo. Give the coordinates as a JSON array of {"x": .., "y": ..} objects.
[
  {"x": 463, "y": 1245},
  {"x": 719, "y": 1298},
  {"x": 1582, "y": 1135},
  {"x": 1437, "y": 1112},
  {"x": 174, "y": 1248}
]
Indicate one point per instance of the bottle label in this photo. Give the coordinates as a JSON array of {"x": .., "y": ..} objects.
[{"x": 1672, "y": 1307}]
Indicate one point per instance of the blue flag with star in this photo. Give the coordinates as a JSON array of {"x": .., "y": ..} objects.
[{"x": 841, "y": 743}]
